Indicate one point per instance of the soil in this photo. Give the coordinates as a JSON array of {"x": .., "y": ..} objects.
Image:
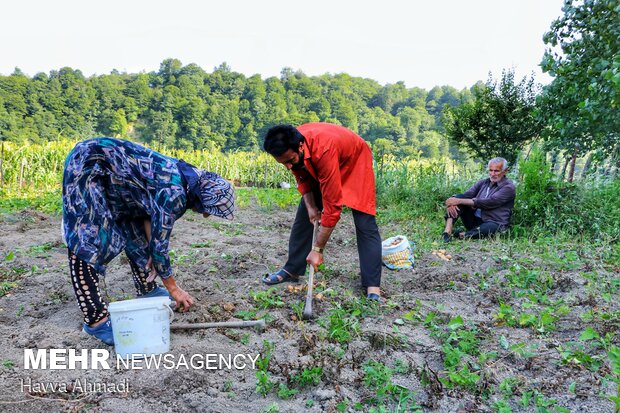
[{"x": 220, "y": 263}]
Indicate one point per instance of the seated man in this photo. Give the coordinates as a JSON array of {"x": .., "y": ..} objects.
[{"x": 486, "y": 207}]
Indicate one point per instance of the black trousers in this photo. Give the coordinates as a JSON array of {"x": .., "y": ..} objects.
[
  {"x": 368, "y": 245},
  {"x": 476, "y": 228},
  {"x": 85, "y": 281}
]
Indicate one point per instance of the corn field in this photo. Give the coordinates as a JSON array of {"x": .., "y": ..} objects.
[
  {"x": 34, "y": 172},
  {"x": 40, "y": 167}
]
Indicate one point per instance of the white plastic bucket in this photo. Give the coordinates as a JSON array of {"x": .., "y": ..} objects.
[{"x": 141, "y": 326}]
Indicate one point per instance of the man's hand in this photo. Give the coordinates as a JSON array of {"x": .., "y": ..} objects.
[
  {"x": 183, "y": 299},
  {"x": 315, "y": 259},
  {"x": 453, "y": 211},
  {"x": 314, "y": 214},
  {"x": 452, "y": 201}
]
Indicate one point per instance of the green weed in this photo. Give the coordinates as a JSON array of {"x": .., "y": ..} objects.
[
  {"x": 267, "y": 298},
  {"x": 308, "y": 377},
  {"x": 378, "y": 378},
  {"x": 341, "y": 326},
  {"x": 272, "y": 408},
  {"x": 264, "y": 385},
  {"x": 5, "y": 287},
  {"x": 614, "y": 359},
  {"x": 285, "y": 393},
  {"x": 541, "y": 403}
]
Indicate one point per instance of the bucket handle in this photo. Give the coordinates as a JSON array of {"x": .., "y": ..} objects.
[{"x": 170, "y": 311}]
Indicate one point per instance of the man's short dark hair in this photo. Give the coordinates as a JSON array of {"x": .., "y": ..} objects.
[{"x": 281, "y": 138}]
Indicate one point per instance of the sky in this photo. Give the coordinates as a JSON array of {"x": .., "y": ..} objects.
[{"x": 423, "y": 43}]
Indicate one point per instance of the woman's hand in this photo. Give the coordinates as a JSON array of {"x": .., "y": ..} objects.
[
  {"x": 183, "y": 299},
  {"x": 151, "y": 269}
]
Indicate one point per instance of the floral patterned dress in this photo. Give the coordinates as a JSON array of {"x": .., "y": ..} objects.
[{"x": 109, "y": 188}]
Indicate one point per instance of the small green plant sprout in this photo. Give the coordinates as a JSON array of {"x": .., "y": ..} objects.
[
  {"x": 341, "y": 326},
  {"x": 272, "y": 408},
  {"x": 401, "y": 366},
  {"x": 285, "y": 393},
  {"x": 574, "y": 354},
  {"x": 341, "y": 406},
  {"x": 40, "y": 249},
  {"x": 308, "y": 377},
  {"x": 596, "y": 340},
  {"x": 414, "y": 315},
  {"x": 246, "y": 315},
  {"x": 298, "y": 308},
  {"x": 267, "y": 299},
  {"x": 501, "y": 406},
  {"x": 5, "y": 287},
  {"x": 614, "y": 358},
  {"x": 263, "y": 382},
  {"x": 9, "y": 256},
  {"x": 378, "y": 378},
  {"x": 541, "y": 403},
  {"x": 508, "y": 386}
]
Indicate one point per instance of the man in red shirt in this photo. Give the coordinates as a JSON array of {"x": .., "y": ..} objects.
[{"x": 333, "y": 168}]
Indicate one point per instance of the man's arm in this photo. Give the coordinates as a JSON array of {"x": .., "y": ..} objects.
[
  {"x": 473, "y": 191},
  {"x": 466, "y": 197},
  {"x": 453, "y": 201},
  {"x": 498, "y": 198},
  {"x": 328, "y": 170},
  {"x": 313, "y": 210}
]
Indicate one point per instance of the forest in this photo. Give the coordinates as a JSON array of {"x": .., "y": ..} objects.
[{"x": 185, "y": 107}]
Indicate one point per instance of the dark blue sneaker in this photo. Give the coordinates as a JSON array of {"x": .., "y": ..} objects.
[
  {"x": 374, "y": 297},
  {"x": 156, "y": 292},
  {"x": 103, "y": 332}
]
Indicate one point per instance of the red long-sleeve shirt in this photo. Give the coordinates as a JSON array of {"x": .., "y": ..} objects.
[{"x": 341, "y": 162}]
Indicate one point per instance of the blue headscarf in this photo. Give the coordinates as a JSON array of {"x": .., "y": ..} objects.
[{"x": 207, "y": 192}]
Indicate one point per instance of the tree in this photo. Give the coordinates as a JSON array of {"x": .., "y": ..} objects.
[
  {"x": 499, "y": 121},
  {"x": 581, "y": 105}
]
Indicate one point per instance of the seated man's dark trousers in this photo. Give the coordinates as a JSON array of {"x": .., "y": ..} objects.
[
  {"x": 368, "y": 244},
  {"x": 476, "y": 228}
]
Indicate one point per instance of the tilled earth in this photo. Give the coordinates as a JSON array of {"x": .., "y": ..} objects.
[{"x": 220, "y": 263}]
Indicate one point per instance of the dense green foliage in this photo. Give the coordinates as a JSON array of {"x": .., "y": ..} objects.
[
  {"x": 414, "y": 193},
  {"x": 499, "y": 121},
  {"x": 547, "y": 204},
  {"x": 408, "y": 189},
  {"x": 187, "y": 108},
  {"x": 581, "y": 107}
]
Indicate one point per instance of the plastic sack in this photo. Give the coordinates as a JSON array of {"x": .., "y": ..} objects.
[{"x": 397, "y": 253}]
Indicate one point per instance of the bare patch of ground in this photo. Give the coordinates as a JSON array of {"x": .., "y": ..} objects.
[{"x": 221, "y": 263}]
